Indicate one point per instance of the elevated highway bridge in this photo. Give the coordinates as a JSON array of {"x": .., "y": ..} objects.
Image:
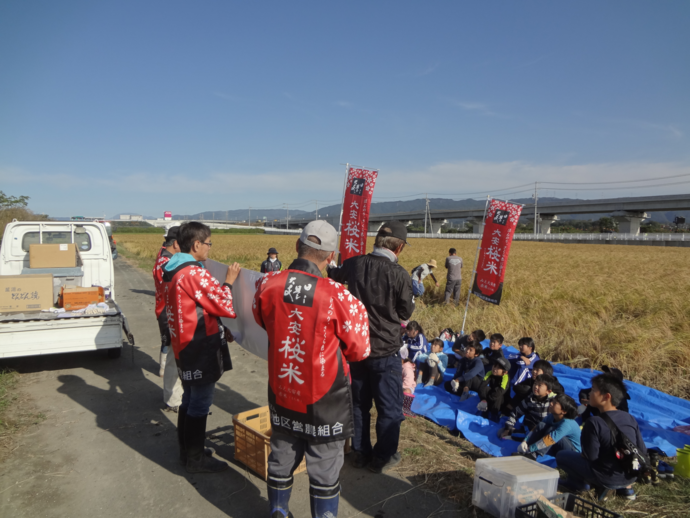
[{"x": 628, "y": 212}]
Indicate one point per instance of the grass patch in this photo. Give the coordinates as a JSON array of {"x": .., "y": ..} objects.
[{"x": 8, "y": 382}]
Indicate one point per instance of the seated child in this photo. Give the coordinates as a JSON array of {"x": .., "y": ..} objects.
[
  {"x": 432, "y": 365},
  {"x": 408, "y": 381},
  {"x": 535, "y": 408},
  {"x": 415, "y": 341},
  {"x": 524, "y": 389},
  {"x": 521, "y": 364},
  {"x": 469, "y": 373},
  {"x": 462, "y": 341},
  {"x": 408, "y": 384},
  {"x": 493, "y": 389},
  {"x": 587, "y": 411},
  {"x": 598, "y": 464},
  {"x": 557, "y": 432},
  {"x": 494, "y": 351}
]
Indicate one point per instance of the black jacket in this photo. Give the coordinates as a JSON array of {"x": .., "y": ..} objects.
[
  {"x": 385, "y": 289},
  {"x": 489, "y": 357},
  {"x": 271, "y": 266}
]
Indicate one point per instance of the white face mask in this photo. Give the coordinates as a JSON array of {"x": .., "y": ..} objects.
[{"x": 272, "y": 259}]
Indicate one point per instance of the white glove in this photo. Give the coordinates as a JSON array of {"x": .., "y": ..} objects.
[
  {"x": 431, "y": 363},
  {"x": 433, "y": 356},
  {"x": 454, "y": 384},
  {"x": 333, "y": 264},
  {"x": 581, "y": 409},
  {"x": 523, "y": 448},
  {"x": 482, "y": 406}
]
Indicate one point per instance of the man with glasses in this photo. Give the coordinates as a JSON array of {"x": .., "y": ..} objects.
[{"x": 194, "y": 302}]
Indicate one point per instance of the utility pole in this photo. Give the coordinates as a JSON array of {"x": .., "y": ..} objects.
[
  {"x": 317, "y": 208},
  {"x": 426, "y": 212},
  {"x": 536, "y": 230},
  {"x": 250, "y": 216}
]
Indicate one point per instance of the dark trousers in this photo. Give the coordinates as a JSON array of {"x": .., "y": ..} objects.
[
  {"x": 377, "y": 380},
  {"x": 164, "y": 330},
  {"x": 473, "y": 384},
  {"x": 324, "y": 461},
  {"x": 580, "y": 471},
  {"x": 429, "y": 373}
]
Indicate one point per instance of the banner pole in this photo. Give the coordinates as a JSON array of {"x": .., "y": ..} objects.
[
  {"x": 474, "y": 268},
  {"x": 342, "y": 203}
]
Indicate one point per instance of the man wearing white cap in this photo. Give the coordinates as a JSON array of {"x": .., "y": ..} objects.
[{"x": 315, "y": 326}]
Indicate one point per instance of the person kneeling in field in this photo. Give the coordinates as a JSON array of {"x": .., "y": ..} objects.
[
  {"x": 535, "y": 408},
  {"x": 432, "y": 365},
  {"x": 601, "y": 463},
  {"x": 493, "y": 389},
  {"x": 469, "y": 373},
  {"x": 557, "y": 432}
]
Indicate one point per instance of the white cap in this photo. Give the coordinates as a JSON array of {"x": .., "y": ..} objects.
[{"x": 322, "y": 230}]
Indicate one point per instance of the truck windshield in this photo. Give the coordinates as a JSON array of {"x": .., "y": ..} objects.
[{"x": 82, "y": 240}]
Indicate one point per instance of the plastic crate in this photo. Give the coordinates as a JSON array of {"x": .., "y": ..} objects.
[
  {"x": 571, "y": 503},
  {"x": 253, "y": 440},
  {"x": 503, "y": 483}
]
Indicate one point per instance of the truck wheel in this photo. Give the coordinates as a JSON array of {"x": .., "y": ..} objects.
[{"x": 114, "y": 353}]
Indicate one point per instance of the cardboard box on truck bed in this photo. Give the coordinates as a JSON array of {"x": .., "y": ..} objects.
[
  {"x": 53, "y": 256},
  {"x": 26, "y": 293},
  {"x": 73, "y": 297}
]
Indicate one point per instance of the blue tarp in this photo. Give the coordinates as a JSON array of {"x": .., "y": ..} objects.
[{"x": 656, "y": 413}]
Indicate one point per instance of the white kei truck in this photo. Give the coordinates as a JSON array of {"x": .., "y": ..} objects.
[{"x": 45, "y": 332}]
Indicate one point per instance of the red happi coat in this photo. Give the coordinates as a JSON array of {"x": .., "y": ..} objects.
[
  {"x": 163, "y": 257},
  {"x": 314, "y": 326},
  {"x": 194, "y": 303}
]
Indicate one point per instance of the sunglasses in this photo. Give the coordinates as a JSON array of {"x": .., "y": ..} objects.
[{"x": 209, "y": 244}]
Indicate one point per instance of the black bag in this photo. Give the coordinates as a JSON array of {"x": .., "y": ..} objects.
[{"x": 634, "y": 463}]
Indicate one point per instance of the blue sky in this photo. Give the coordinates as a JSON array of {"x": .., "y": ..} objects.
[{"x": 146, "y": 106}]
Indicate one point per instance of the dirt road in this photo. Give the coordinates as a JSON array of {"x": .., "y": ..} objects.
[{"x": 106, "y": 449}]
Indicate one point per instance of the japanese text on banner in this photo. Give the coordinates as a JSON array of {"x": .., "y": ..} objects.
[
  {"x": 359, "y": 190},
  {"x": 499, "y": 227}
]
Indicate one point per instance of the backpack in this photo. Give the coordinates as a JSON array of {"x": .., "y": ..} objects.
[
  {"x": 634, "y": 463},
  {"x": 447, "y": 335}
]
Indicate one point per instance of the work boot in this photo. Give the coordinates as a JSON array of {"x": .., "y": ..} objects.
[
  {"x": 163, "y": 360},
  {"x": 181, "y": 416},
  {"x": 379, "y": 465},
  {"x": 194, "y": 438},
  {"x": 324, "y": 500},
  {"x": 360, "y": 460},
  {"x": 279, "y": 490}
]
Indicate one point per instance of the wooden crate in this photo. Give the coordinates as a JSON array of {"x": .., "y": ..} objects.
[{"x": 253, "y": 440}]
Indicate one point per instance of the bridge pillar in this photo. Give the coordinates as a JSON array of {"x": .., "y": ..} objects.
[
  {"x": 629, "y": 221},
  {"x": 545, "y": 222},
  {"x": 477, "y": 225},
  {"x": 436, "y": 225}
]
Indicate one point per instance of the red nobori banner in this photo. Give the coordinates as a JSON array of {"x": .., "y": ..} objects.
[
  {"x": 359, "y": 189},
  {"x": 499, "y": 227}
]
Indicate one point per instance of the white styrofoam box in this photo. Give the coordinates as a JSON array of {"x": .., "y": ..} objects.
[{"x": 501, "y": 484}]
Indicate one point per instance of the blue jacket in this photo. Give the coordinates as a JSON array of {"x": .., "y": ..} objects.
[
  {"x": 519, "y": 372},
  {"x": 416, "y": 346},
  {"x": 549, "y": 432},
  {"x": 468, "y": 369},
  {"x": 442, "y": 360}
]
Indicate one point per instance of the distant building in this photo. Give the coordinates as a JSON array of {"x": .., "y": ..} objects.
[
  {"x": 167, "y": 216},
  {"x": 125, "y": 216},
  {"x": 136, "y": 217}
]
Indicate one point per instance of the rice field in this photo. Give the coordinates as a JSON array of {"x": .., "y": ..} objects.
[{"x": 584, "y": 305}]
